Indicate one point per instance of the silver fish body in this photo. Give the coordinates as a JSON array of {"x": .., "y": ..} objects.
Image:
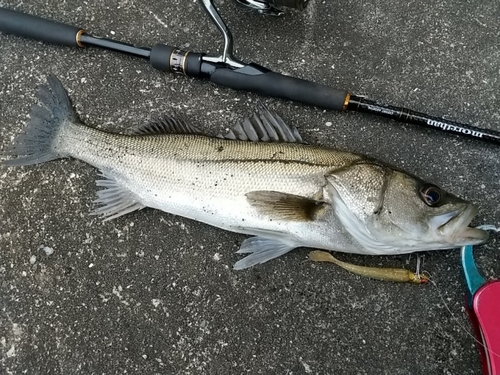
[
  {"x": 285, "y": 193},
  {"x": 207, "y": 179}
]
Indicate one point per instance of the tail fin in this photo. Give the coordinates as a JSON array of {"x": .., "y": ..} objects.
[{"x": 37, "y": 143}]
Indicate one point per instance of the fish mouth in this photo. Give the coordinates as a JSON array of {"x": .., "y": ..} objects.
[{"x": 456, "y": 230}]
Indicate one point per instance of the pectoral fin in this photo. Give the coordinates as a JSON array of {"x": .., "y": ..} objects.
[
  {"x": 261, "y": 250},
  {"x": 282, "y": 206}
]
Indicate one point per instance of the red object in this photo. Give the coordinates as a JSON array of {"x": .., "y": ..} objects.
[{"x": 485, "y": 316}]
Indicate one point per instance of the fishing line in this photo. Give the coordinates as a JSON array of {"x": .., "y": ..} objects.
[
  {"x": 431, "y": 280},
  {"x": 488, "y": 227}
]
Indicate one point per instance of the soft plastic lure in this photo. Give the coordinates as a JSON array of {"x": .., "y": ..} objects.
[{"x": 399, "y": 275}]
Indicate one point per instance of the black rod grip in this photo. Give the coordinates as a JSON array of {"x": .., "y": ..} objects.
[
  {"x": 28, "y": 26},
  {"x": 284, "y": 87}
]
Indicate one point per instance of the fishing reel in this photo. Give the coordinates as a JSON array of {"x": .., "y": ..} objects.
[
  {"x": 226, "y": 70},
  {"x": 273, "y": 7},
  {"x": 267, "y": 7}
]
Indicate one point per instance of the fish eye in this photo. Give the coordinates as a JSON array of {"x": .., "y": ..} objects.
[{"x": 431, "y": 195}]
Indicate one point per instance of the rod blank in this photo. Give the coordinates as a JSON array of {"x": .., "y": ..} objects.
[{"x": 249, "y": 77}]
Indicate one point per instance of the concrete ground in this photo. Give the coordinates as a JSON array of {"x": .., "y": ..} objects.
[{"x": 151, "y": 293}]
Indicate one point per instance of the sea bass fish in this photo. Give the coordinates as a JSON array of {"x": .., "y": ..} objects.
[{"x": 260, "y": 179}]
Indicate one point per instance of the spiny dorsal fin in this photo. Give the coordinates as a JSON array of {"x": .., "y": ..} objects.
[
  {"x": 167, "y": 125},
  {"x": 282, "y": 206},
  {"x": 264, "y": 126}
]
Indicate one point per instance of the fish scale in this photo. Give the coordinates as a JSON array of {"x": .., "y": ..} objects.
[
  {"x": 285, "y": 193},
  {"x": 179, "y": 163},
  {"x": 187, "y": 175}
]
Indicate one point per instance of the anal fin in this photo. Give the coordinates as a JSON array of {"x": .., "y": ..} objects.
[
  {"x": 115, "y": 200},
  {"x": 261, "y": 250}
]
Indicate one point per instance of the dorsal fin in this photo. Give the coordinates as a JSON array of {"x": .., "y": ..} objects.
[
  {"x": 167, "y": 125},
  {"x": 264, "y": 126}
]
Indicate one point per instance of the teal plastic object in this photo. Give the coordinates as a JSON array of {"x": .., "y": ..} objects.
[{"x": 483, "y": 307}]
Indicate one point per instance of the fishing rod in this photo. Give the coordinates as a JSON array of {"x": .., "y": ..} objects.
[{"x": 226, "y": 70}]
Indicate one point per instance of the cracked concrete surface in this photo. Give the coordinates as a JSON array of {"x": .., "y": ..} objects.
[{"x": 152, "y": 293}]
